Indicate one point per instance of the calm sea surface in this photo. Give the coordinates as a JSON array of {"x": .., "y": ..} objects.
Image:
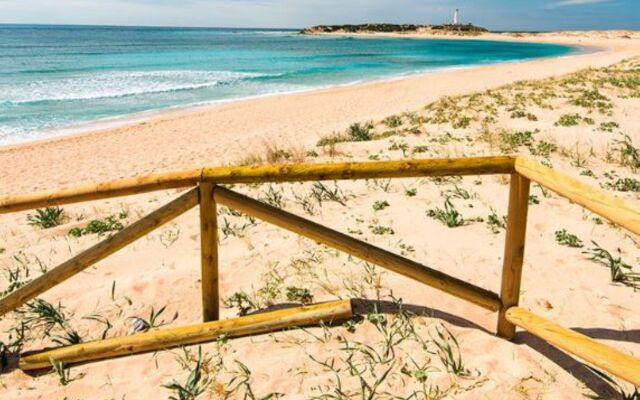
[{"x": 52, "y": 77}]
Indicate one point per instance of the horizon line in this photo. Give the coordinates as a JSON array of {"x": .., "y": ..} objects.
[
  {"x": 265, "y": 28},
  {"x": 145, "y": 26}
]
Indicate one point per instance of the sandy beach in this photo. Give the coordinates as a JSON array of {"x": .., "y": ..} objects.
[
  {"x": 538, "y": 108},
  {"x": 218, "y": 134}
]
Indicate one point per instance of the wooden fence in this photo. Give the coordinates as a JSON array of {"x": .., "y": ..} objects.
[{"x": 208, "y": 194}]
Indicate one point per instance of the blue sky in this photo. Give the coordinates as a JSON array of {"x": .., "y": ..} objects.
[{"x": 493, "y": 14}]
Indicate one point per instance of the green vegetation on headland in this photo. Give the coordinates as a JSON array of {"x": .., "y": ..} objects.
[{"x": 468, "y": 29}]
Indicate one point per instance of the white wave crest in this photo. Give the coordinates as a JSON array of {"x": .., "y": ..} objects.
[{"x": 117, "y": 84}]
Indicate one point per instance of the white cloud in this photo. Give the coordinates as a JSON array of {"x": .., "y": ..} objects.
[{"x": 565, "y": 3}]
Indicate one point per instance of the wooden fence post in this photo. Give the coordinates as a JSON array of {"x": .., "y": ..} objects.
[
  {"x": 209, "y": 253},
  {"x": 513, "y": 251}
]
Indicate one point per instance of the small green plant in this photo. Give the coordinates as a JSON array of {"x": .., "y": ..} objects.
[
  {"x": 39, "y": 314},
  {"x": 414, "y": 130},
  {"x": 273, "y": 197},
  {"x": 412, "y": 192},
  {"x": 568, "y": 239},
  {"x": 404, "y": 147},
  {"x": 360, "y": 133},
  {"x": 380, "y": 205},
  {"x": 495, "y": 223},
  {"x": 624, "y": 185},
  {"x": 620, "y": 271},
  {"x": 241, "y": 381},
  {"x": 523, "y": 114},
  {"x": 461, "y": 122},
  {"x": 533, "y": 200},
  {"x": 448, "y": 216},
  {"x": 306, "y": 201},
  {"x": 61, "y": 371},
  {"x": 299, "y": 295},
  {"x": 544, "y": 149},
  {"x": 393, "y": 121},
  {"x": 16, "y": 278},
  {"x": 512, "y": 141},
  {"x": 449, "y": 352},
  {"x": 46, "y": 218},
  {"x": 608, "y": 126},
  {"x": 322, "y": 192},
  {"x": 518, "y": 114},
  {"x": 330, "y": 140},
  {"x": 458, "y": 192},
  {"x": 420, "y": 373},
  {"x": 98, "y": 226},
  {"x": 197, "y": 382},
  {"x": 588, "y": 172},
  {"x": 242, "y": 302},
  {"x": 381, "y": 230},
  {"x": 406, "y": 249},
  {"x": 629, "y": 154},
  {"x": 420, "y": 149},
  {"x": 569, "y": 120}
]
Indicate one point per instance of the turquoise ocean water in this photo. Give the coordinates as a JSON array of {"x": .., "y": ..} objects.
[{"x": 53, "y": 77}]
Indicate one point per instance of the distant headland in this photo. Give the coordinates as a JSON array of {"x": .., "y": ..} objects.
[{"x": 455, "y": 29}]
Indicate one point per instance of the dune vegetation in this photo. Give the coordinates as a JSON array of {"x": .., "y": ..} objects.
[{"x": 408, "y": 341}]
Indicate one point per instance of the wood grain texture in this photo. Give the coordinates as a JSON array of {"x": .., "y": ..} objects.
[
  {"x": 99, "y": 191},
  {"x": 360, "y": 249},
  {"x": 513, "y": 251},
  {"x": 99, "y": 251},
  {"x": 603, "y": 357},
  {"x": 256, "y": 174},
  {"x": 360, "y": 170},
  {"x": 189, "y": 335},
  {"x": 209, "y": 253},
  {"x": 600, "y": 202}
]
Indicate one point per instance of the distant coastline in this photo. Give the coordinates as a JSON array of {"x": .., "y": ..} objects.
[
  {"x": 42, "y": 100},
  {"x": 451, "y": 29}
]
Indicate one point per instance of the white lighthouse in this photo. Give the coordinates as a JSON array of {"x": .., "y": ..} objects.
[{"x": 456, "y": 17}]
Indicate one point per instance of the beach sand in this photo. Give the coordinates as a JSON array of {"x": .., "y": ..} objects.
[
  {"x": 560, "y": 283},
  {"x": 219, "y": 134}
]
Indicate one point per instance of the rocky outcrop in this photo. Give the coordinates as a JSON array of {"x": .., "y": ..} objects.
[{"x": 394, "y": 28}]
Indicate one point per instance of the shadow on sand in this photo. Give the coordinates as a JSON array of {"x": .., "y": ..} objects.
[{"x": 362, "y": 306}]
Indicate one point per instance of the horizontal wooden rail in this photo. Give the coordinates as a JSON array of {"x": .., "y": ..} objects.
[
  {"x": 258, "y": 174},
  {"x": 358, "y": 248},
  {"x": 616, "y": 210},
  {"x": 604, "y": 357},
  {"x": 360, "y": 170},
  {"x": 189, "y": 335},
  {"x": 99, "y": 251},
  {"x": 99, "y": 191}
]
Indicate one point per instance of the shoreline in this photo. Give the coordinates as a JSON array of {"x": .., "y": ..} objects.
[
  {"x": 119, "y": 121},
  {"x": 220, "y": 133},
  {"x": 106, "y": 123}
]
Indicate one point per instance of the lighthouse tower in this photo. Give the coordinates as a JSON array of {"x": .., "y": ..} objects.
[{"x": 456, "y": 17}]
